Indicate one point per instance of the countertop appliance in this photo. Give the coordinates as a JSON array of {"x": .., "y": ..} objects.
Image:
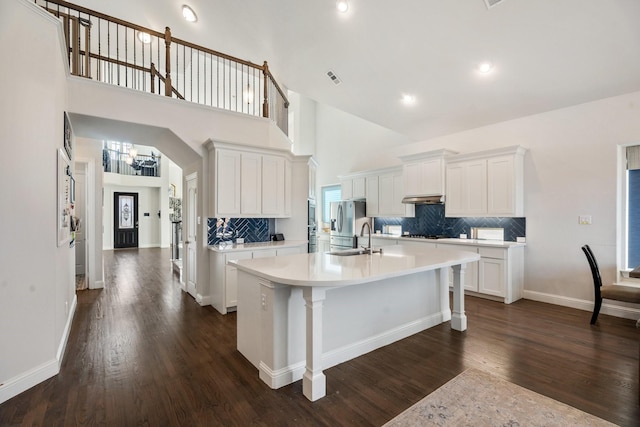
[{"x": 347, "y": 218}]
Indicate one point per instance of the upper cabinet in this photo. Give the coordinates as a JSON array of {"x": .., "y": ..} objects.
[
  {"x": 383, "y": 190},
  {"x": 488, "y": 183},
  {"x": 353, "y": 188},
  {"x": 424, "y": 173},
  {"x": 249, "y": 182}
]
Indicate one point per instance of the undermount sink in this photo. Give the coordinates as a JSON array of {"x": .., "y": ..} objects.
[{"x": 351, "y": 252}]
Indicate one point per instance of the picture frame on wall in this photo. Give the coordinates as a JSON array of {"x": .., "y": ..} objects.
[
  {"x": 64, "y": 205},
  {"x": 68, "y": 147}
]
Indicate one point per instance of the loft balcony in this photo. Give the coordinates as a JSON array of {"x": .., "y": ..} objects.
[
  {"x": 117, "y": 52},
  {"x": 115, "y": 161}
]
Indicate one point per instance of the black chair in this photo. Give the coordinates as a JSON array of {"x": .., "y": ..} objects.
[{"x": 614, "y": 292}]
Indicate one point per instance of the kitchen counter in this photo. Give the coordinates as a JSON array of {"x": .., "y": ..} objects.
[
  {"x": 300, "y": 314},
  {"x": 324, "y": 269},
  {"x": 231, "y": 247},
  {"x": 448, "y": 240}
]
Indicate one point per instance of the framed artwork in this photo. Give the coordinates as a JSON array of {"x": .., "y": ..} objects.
[
  {"x": 68, "y": 148},
  {"x": 65, "y": 206}
]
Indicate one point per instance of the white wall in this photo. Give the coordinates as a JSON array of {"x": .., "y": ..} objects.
[
  {"x": 570, "y": 170},
  {"x": 37, "y": 285},
  {"x": 346, "y": 143}
]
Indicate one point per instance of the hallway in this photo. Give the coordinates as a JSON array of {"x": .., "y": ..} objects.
[{"x": 143, "y": 352}]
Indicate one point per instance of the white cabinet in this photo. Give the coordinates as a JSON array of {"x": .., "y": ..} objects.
[
  {"x": 249, "y": 182},
  {"x": 353, "y": 188},
  {"x": 383, "y": 190},
  {"x": 424, "y": 173},
  {"x": 467, "y": 189},
  {"x": 224, "y": 276},
  {"x": 470, "y": 272},
  {"x": 498, "y": 275},
  {"x": 492, "y": 272},
  {"x": 372, "y": 195},
  {"x": 274, "y": 185},
  {"x": 390, "y": 195},
  {"x": 231, "y": 277},
  {"x": 227, "y": 165},
  {"x": 487, "y": 184}
]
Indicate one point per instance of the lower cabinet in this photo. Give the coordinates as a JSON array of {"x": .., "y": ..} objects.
[
  {"x": 498, "y": 275},
  {"x": 224, "y": 276}
]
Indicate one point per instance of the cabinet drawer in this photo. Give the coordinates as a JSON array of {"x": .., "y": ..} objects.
[
  {"x": 495, "y": 253},
  {"x": 264, "y": 253},
  {"x": 237, "y": 255}
]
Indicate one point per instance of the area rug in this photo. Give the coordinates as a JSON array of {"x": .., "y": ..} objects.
[{"x": 475, "y": 398}]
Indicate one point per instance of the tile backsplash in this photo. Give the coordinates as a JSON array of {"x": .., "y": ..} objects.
[
  {"x": 225, "y": 229},
  {"x": 430, "y": 219}
]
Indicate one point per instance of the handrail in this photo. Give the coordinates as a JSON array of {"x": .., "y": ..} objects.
[{"x": 108, "y": 50}]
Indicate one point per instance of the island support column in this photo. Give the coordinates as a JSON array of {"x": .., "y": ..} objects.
[
  {"x": 445, "y": 305},
  {"x": 458, "y": 318},
  {"x": 314, "y": 382}
]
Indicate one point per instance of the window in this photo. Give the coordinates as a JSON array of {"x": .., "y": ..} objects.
[
  {"x": 330, "y": 193},
  {"x": 632, "y": 235}
]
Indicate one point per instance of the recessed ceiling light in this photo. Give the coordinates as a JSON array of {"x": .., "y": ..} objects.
[
  {"x": 485, "y": 67},
  {"x": 144, "y": 37},
  {"x": 408, "y": 99},
  {"x": 189, "y": 14},
  {"x": 342, "y": 6}
]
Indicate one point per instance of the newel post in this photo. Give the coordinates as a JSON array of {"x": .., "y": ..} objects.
[
  {"x": 167, "y": 42},
  {"x": 265, "y": 103}
]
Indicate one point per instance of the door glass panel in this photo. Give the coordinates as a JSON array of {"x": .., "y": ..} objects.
[{"x": 126, "y": 212}]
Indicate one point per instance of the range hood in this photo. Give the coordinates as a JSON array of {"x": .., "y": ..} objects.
[{"x": 423, "y": 200}]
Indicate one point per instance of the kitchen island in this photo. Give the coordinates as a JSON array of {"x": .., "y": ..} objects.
[{"x": 299, "y": 314}]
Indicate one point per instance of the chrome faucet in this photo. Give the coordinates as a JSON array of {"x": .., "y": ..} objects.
[{"x": 368, "y": 248}]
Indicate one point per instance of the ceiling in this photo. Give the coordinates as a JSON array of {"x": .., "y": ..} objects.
[{"x": 547, "y": 54}]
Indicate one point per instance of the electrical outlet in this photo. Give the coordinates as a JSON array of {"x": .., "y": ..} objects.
[
  {"x": 263, "y": 301},
  {"x": 584, "y": 220}
]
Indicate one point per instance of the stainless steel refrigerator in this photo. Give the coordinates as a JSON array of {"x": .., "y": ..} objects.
[{"x": 347, "y": 218}]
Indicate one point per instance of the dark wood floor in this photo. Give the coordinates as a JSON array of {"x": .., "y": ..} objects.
[{"x": 142, "y": 352}]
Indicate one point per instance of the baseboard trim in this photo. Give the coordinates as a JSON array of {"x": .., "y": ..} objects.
[
  {"x": 67, "y": 331},
  {"x": 608, "y": 307},
  {"x": 203, "y": 300},
  {"x": 98, "y": 285},
  {"x": 35, "y": 376},
  {"x": 294, "y": 372}
]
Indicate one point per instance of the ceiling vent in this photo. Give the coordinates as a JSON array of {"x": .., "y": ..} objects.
[
  {"x": 333, "y": 77},
  {"x": 491, "y": 3}
]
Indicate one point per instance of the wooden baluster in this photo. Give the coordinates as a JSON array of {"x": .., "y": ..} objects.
[
  {"x": 167, "y": 43},
  {"x": 75, "y": 46},
  {"x": 153, "y": 78},
  {"x": 265, "y": 103},
  {"x": 87, "y": 46}
]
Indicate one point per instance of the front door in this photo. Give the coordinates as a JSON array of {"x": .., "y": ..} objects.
[{"x": 125, "y": 220}]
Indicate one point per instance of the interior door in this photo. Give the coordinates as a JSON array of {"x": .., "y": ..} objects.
[
  {"x": 191, "y": 228},
  {"x": 125, "y": 220}
]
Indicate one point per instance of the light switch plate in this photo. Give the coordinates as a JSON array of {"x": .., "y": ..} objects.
[
  {"x": 584, "y": 220},
  {"x": 521, "y": 240}
]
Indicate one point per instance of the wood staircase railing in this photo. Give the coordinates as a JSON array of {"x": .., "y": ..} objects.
[{"x": 115, "y": 51}]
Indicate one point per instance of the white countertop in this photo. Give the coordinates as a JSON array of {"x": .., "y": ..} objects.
[
  {"x": 232, "y": 247},
  {"x": 450, "y": 241},
  {"x": 322, "y": 269}
]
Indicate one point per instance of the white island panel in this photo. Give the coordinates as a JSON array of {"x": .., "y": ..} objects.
[{"x": 303, "y": 313}]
